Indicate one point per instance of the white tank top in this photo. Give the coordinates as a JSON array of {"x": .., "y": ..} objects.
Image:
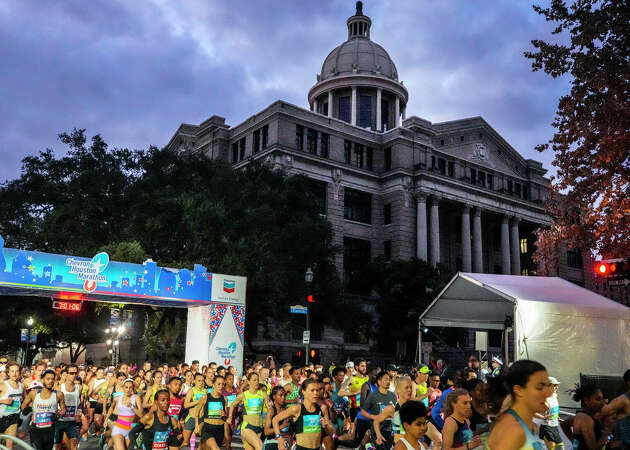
[
  {"x": 44, "y": 410},
  {"x": 72, "y": 401},
  {"x": 409, "y": 446},
  {"x": 95, "y": 386},
  {"x": 16, "y": 395}
]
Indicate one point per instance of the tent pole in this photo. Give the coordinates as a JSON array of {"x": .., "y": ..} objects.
[
  {"x": 419, "y": 345},
  {"x": 507, "y": 346}
]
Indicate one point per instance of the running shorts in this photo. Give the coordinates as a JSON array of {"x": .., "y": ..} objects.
[
  {"x": 42, "y": 438},
  {"x": 96, "y": 406},
  {"x": 7, "y": 421},
  {"x": 189, "y": 425},
  {"x": 70, "y": 428},
  {"x": 552, "y": 434},
  {"x": 213, "y": 431}
]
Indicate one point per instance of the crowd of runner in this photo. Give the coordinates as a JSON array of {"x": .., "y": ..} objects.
[{"x": 304, "y": 408}]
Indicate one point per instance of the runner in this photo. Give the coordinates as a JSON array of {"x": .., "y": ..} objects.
[
  {"x": 96, "y": 387},
  {"x": 46, "y": 403},
  {"x": 353, "y": 386},
  {"x": 375, "y": 403},
  {"x": 340, "y": 403},
  {"x": 285, "y": 377},
  {"x": 175, "y": 402},
  {"x": 157, "y": 427},
  {"x": 126, "y": 407},
  {"x": 421, "y": 390},
  {"x": 67, "y": 423},
  {"x": 413, "y": 416},
  {"x": 11, "y": 393},
  {"x": 156, "y": 385},
  {"x": 589, "y": 430},
  {"x": 293, "y": 387},
  {"x": 230, "y": 393},
  {"x": 362, "y": 424},
  {"x": 307, "y": 418},
  {"x": 620, "y": 409},
  {"x": 456, "y": 433},
  {"x": 528, "y": 383},
  {"x": 550, "y": 430},
  {"x": 271, "y": 443},
  {"x": 212, "y": 410},
  {"x": 454, "y": 380},
  {"x": 192, "y": 400},
  {"x": 325, "y": 403},
  {"x": 252, "y": 400}
]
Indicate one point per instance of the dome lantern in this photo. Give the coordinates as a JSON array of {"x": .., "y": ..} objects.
[{"x": 359, "y": 25}]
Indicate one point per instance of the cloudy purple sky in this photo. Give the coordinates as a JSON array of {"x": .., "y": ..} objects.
[{"x": 134, "y": 70}]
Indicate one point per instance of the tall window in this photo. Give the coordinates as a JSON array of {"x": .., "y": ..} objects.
[
  {"x": 356, "y": 253},
  {"x": 524, "y": 245},
  {"x": 441, "y": 166},
  {"x": 323, "y": 145},
  {"x": 490, "y": 179},
  {"x": 451, "y": 169},
  {"x": 299, "y": 137},
  {"x": 256, "y": 142},
  {"x": 365, "y": 111},
  {"x": 357, "y": 206},
  {"x": 473, "y": 176},
  {"x": 574, "y": 259},
  {"x": 318, "y": 190},
  {"x": 385, "y": 115},
  {"x": 369, "y": 158},
  {"x": 510, "y": 186},
  {"x": 265, "y": 136},
  {"x": 347, "y": 151},
  {"x": 311, "y": 141},
  {"x": 344, "y": 109},
  {"x": 357, "y": 161},
  {"x": 517, "y": 189},
  {"x": 325, "y": 109},
  {"x": 387, "y": 214},
  {"x": 234, "y": 152},
  {"x": 388, "y": 158},
  {"x": 241, "y": 149},
  {"x": 482, "y": 178}
]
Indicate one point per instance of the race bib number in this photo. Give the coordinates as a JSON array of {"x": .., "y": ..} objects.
[
  {"x": 230, "y": 399},
  {"x": 159, "y": 439},
  {"x": 173, "y": 410},
  {"x": 254, "y": 405},
  {"x": 14, "y": 407},
  {"x": 312, "y": 423},
  {"x": 43, "y": 419},
  {"x": 71, "y": 412},
  {"x": 215, "y": 409}
]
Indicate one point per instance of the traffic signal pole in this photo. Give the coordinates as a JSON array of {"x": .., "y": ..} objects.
[{"x": 308, "y": 328}]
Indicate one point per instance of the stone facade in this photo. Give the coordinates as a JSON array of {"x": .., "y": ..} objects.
[{"x": 454, "y": 193}]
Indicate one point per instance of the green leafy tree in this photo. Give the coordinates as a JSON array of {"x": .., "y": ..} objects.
[{"x": 591, "y": 204}]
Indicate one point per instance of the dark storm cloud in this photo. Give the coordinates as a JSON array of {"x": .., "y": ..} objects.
[{"x": 133, "y": 71}]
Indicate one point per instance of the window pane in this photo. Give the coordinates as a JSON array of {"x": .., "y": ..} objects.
[
  {"x": 524, "y": 245},
  {"x": 357, "y": 206},
  {"x": 365, "y": 111},
  {"x": 311, "y": 141},
  {"x": 369, "y": 158},
  {"x": 344, "y": 109},
  {"x": 256, "y": 142},
  {"x": 324, "y": 145},
  {"x": 387, "y": 214},
  {"x": 347, "y": 151},
  {"x": 357, "y": 161},
  {"x": 299, "y": 137},
  {"x": 265, "y": 136}
]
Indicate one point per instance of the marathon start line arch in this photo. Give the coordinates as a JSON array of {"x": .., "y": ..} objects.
[{"x": 215, "y": 302}]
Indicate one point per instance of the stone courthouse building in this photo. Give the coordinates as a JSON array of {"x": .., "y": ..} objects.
[{"x": 392, "y": 184}]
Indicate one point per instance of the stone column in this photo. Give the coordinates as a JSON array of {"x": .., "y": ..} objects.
[
  {"x": 379, "y": 93},
  {"x": 330, "y": 104},
  {"x": 434, "y": 230},
  {"x": 505, "y": 245},
  {"x": 404, "y": 113},
  {"x": 477, "y": 241},
  {"x": 397, "y": 112},
  {"x": 353, "y": 108},
  {"x": 421, "y": 227},
  {"x": 466, "y": 261},
  {"x": 516, "y": 247},
  {"x": 315, "y": 106}
]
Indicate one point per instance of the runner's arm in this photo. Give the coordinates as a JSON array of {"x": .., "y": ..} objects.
[
  {"x": 269, "y": 424},
  {"x": 237, "y": 401},
  {"x": 62, "y": 403},
  {"x": 138, "y": 408},
  {"x": 344, "y": 390},
  {"x": 27, "y": 401},
  {"x": 384, "y": 415},
  {"x": 618, "y": 404},
  {"x": 8, "y": 400},
  {"x": 188, "y": 402},
  {"x": 365, "y": 390}
]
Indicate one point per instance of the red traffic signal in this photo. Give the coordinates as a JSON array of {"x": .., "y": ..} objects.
[
  {"x": 310, "y": 299},
  {"x": 612, "y": 268},
  {"x": 299, "y": 353}
]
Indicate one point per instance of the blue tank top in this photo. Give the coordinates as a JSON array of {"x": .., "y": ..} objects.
[
  {"x": 373, "y": 388},
  {"x": 531, "y": 441}
]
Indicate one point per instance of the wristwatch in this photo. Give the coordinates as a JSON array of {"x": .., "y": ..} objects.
[{"x": 277, "y": 436}]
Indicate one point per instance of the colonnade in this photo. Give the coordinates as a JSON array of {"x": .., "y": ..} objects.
[{"x": 428, "y": 237}]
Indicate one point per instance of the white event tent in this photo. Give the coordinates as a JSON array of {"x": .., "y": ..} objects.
[{"x": 567, "y": 328}]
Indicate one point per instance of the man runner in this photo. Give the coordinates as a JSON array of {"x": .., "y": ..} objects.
[
  {"x": 45, "y": 403},
  {"x": 67, "y": 423},
  {"x": 11, "y": 393}
]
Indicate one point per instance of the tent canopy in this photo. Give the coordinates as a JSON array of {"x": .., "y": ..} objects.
[{"x": 482, "y": 301}]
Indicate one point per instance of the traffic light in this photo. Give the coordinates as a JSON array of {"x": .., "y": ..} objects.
[
  {"x": 313, "y": 353},
  {"x": 299, "y": 353},
  {"x": 310, "y": 299},
  {"x": 618, "y": 268}
]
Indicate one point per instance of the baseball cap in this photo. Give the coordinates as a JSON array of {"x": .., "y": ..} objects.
[
  {"x": 349, "y": 365},
  {"x": 497, "y": 360},
  {"x": 424, "y": 369},
  {"x": 554, "y": 380},
  {"x": 392, "y": 368}
]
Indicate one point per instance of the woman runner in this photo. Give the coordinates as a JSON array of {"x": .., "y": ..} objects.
[
  {"x": 252, "y": 400},
  {"x": 271, "y": 443},
  {"x": 456, "y": 433},
  {"x": 589, "y": 433},
  {"x": 307, "y": 418},
  {"x": 126, "y": 408},
  {"x": 193, "y": 398},
  {"x": 158, "y": 428},
  {"x": 230, "y": 393},
  {"x": 529, "y": 386},
  {"x": 212, "y": 409}
]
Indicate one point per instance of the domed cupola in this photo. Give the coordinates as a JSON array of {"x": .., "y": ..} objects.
[{"x": 359, "y": 81}]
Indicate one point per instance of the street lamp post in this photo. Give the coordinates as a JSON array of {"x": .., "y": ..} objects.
[
  {"x": 29, "y": 325},
  {"x": 114, "y": 342},
  {"x": 308, "y": 277}
]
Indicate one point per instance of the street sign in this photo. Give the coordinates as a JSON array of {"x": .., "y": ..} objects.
[
  {"x": 306, "y": 337},
  {"x": 618, "y": 282},
  {"x": 298, "y": 309}
]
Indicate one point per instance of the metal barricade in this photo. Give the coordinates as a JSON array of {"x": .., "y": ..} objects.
[{"x": 17, "y": 442}]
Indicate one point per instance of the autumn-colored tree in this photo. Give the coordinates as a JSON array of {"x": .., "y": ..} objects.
[{"x": 590, "y": 202}]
